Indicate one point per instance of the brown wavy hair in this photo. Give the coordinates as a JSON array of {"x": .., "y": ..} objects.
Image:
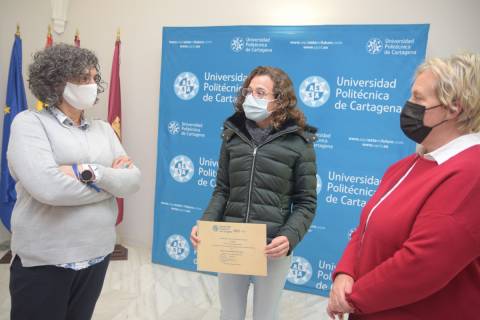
[{"x": 284, "y": 93}]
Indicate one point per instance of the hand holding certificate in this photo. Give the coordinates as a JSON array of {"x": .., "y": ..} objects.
[{"x": 236, "y": 248}]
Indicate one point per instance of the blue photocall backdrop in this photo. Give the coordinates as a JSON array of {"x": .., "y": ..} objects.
[{"x": 351, "y": 82}]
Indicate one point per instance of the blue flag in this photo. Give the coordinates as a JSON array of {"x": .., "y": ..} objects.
[{"x": 16, "y": 102}]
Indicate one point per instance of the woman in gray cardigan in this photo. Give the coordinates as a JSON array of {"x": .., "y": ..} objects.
[{"x": 68, "y": 171}]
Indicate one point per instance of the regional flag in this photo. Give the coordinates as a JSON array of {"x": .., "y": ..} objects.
[
  {"x": 115, "y": 108},
  {"x": 76, "y": 40},
  {"x": 49, "y": 42},
  {"x": 40, "y": 104}
]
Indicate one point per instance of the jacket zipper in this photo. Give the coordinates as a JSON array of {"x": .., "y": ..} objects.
[{"x": 251, "y": 183}]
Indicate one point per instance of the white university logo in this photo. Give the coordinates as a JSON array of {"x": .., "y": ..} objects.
[
  {"x": 319, "y": 184},
  {"x": 181, "y": 168},
  {"x": 177, "y": 247},
  {"x": 350, "y": 232},
  {"x": 237, "y": 44},
  {"x": 374, "y": 46},
  {"x": 314, "y": 91},
  {"x": 300, "y": 270},
  {"x": 173, "y": 127},
  {"x": 186, "y": 85}
]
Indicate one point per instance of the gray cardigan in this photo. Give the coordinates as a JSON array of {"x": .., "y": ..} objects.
[{"x": 57, "y": 219}]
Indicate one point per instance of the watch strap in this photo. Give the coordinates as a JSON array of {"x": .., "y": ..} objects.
[
  {"x": 94, "y": 186},
  {"x": 75, "y": 170}
]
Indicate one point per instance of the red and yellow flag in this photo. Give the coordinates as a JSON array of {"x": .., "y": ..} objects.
[
  {"x": 76, "y": 40},
  {"x": 49, "y": 42}
]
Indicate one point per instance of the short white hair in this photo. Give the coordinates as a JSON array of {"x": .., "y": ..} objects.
[{"x": 458, "y": 84}]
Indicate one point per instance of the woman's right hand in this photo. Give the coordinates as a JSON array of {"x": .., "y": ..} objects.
[
  {"x": 122, "y": 162},
  {"x": 194, "y": 236}
]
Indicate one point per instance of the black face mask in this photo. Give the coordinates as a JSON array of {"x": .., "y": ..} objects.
[{"x": 411, "y": 121}]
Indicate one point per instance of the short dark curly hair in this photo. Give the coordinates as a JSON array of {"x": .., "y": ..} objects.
[{"x": 54, "y": 66}]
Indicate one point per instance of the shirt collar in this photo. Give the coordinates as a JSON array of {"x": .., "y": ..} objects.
[
  {"x": 66, "y": 121},
  {"x": 452, "y": 148}
]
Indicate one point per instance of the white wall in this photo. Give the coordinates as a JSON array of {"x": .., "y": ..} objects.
[{"x": 454, "y": 28}]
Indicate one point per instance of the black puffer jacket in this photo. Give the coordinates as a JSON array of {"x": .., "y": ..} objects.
[{"x": 272, "y": 183}]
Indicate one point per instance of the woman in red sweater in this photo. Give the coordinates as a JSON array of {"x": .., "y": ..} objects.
[{"x": 416, "y": 252}]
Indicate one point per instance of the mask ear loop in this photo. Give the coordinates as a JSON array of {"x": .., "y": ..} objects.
[
  {"x": 444, "y": 120},
  {"x": 455, "y": 106},
  {"x": 451, "y": 108}
]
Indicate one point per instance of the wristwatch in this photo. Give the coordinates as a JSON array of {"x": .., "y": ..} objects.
[{"x": 87, "y": 175}]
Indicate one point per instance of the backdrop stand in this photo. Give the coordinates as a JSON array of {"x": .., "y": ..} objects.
[{"x": 119, "y": 253}]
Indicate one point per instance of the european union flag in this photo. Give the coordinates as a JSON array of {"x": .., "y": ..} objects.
[{"x": 16, "y": 102}]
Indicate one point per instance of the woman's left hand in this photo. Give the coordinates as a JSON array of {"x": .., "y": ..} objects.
[
  {"x": 68, "y": 170},
  {"x": 278, "y": 247}
]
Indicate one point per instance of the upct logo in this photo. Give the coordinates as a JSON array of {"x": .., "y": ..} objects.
[
  {"x": 300, "y": 270},
  {"x": 374, "y": 46},
  {"x": 186, "y": 85},
  {"x": 350, "y": 233},
  {"x": 314, "y": 91},
  {"x": 177, "y": 247},
  {"x": 237, "y": 44},
  {"x": 319, "y": 184},
  {"x": 173, "y": 127},
  {"x": 181, "y": 168}
]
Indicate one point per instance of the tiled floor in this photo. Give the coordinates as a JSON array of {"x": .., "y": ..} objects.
[{"x": 138, "y": 289}]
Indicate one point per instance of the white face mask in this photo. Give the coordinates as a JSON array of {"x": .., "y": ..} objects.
[
  {"x": 80, "y": 96},
  {"x": 256, "y": 109}
]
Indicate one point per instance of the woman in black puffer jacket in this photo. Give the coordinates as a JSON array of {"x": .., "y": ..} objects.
[{"x": 266, "y": 174}]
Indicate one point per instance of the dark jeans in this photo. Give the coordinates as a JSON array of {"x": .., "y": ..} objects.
[{"x": 54, "y": 293}]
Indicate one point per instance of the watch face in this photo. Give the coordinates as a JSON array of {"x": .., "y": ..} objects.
[{"x": 87, "y": 175}]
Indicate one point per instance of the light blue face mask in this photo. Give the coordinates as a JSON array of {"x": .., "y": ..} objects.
[{"x": 256, "y": 109}]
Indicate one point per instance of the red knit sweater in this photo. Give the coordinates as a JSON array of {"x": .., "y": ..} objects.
[{"x": 420, "y": 255}]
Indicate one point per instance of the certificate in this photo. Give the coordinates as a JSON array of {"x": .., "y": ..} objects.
[{"x": 237, "y": 248}]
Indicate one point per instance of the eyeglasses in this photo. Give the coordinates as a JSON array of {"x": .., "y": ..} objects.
[
  {"x": 258, "y": 93},
  {"x": 86, "y": 78}
]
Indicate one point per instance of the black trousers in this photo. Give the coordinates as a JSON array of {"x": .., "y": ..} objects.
[{"x": 53, "y": 293}]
